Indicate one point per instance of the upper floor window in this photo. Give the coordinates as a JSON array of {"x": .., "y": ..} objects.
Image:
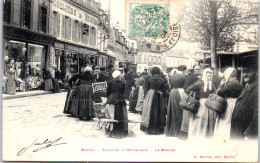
[
  {"x": 43, "y": 19},
  {"x": 26, "y": 13},
  {"x": 66, "y": 27},
  {"x": 56, "y": 24},
  {"x": 76, "y": 30},
  {"x": 84, "y": 33},
  {"x": 93, "y": 36},
  {"x": 7, "y": 10}
]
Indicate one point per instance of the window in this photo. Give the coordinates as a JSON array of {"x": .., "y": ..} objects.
[
  {"x": 7, "y": 10},
  {"x": 67, "y": 27},
  {"x": 56, "y": 24},
  {"x": 150, "y": 59},
  {"x": 84, "y": 33},
  {"x": 145, "y": 58},
  {"x": 159, "y": 60},
  {"x": 26, "y": 13},
  {"x": 92, "y": 36},
  {"x": 43, "y": 19},
  {"x": 76, "y": 31},
  {"x": 63, "y": 33}
]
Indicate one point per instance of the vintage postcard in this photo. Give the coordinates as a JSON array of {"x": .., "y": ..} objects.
[{"x": 130, "y": 80}]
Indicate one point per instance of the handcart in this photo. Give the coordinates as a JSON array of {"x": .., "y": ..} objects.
[{"x": 99, "y": 108}]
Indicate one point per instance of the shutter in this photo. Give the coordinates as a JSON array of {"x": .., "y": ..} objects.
[
  {"x": 94, "y": 36},
  {"x": 69, "y": 31},
  {"x": 58, "y": 24},
  {"x": 74, "y": 31},
  {"x": 90, "y": 36},
  {"x": 79, "y": 31},
  {"x": 63, "y": 33}
]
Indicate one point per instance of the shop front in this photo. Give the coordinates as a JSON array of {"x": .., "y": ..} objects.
[
  {"x": 26, "y": 53},
  {"x": 70, "y": 59}
]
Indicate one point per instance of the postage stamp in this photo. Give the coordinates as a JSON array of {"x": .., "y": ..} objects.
[
  {"x": 155, "y": 21},
  {"x": 148, "y": 20}
]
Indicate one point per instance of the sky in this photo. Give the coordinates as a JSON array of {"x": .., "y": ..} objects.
[{"x": 117, "y": 11}]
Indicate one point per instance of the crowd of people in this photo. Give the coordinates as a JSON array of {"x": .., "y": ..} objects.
[{"x": 156, "y": 96}]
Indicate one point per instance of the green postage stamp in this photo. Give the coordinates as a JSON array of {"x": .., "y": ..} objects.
[
  {"x": 155, "y": 21},
  {"x": 148, "y": 20}
]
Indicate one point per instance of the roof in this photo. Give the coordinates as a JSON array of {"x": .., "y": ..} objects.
[{"x": 231, "y": 53}]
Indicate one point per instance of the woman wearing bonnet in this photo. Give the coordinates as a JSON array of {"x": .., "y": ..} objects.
[
  {"x": 229, "y": 88},
  {"x": 116, "y": 107},
  {"x": 202, "y": 123},
  {"x": 81, "y": 101}
]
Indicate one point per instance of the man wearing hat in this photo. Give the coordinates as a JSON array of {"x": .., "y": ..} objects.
[
  {"x": 98, "y": 76},
  {"x": 110, "y": 70},
  {"x": 244, "y": 122}
]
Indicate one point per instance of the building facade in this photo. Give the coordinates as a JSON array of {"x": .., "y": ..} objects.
[
  {"x": 75, "y": 25},
  {"x": 27, "y": 36}
]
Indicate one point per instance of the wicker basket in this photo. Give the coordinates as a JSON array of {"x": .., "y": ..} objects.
[{"x": 99, "y": 110}]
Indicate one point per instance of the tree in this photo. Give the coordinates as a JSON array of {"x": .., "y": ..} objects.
[{"x": 213, "y": 24}]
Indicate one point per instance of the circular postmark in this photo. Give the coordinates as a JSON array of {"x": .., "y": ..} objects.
[{"x": 165, "y": 41}]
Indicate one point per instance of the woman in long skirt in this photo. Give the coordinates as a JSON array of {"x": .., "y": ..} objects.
[
  {"x": 10, "y": 75},
  {"x": 229, "y": 88},
  {"x": 202, "y": 123},
  {"x": 177, "y": 122},
  {"x": 116, "y": 107},
  {"x": 140, "y": 83},
  {"x": 153, "y": 113},
  {"x": 71, "y": 103},
  {"x": 80, "y": 104},
  {"x": 48, "y": 84}
]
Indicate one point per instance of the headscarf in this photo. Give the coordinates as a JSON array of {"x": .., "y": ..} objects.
[
  {"x": 116, "y": 74},
  {"x": 88, "y": 69},
  {"x": 228, "y": 72},
  {"x": 204, "y": 79}
]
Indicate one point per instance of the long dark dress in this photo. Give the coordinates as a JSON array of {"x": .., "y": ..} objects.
[
  {"x": 133, "y": 100},
  {"x": 115, "y": 94},
  {"x": 177, "y": 123},
  {"x": 80, "y": 102},
  {"x": 85, "y": 97},
  {"x": 48, "y": 84},
  {"x": 71, "y": 103},
  {"x": 130, "y": 81},
  {"x": 55, "y": 80},
  {"x": 153, "y": 113}
]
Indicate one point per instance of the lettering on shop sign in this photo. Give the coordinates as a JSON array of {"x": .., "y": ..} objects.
[
  {"x": 64, "y": 7},
  {"x": 73, "y": 11},
  {"x": 41, "y": 145}
]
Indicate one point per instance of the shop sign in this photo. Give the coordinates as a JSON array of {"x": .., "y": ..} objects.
[
  {"x": 64, "y": 7},
  {"x": 59, "y": 45},
  {"x": 87, "y": 51},
  {"x": 70, "y": 47},
  {"x": 61, "y": 6}
]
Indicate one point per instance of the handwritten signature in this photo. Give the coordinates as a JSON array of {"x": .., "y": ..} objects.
[{"x": 48, "y": 143}]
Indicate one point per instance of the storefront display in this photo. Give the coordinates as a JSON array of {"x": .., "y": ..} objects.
[{"x": 29, "y": 59}]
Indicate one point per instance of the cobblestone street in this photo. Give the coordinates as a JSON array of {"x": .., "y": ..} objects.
[
  {"x": 41, "y": 118},
  {"x": 44, "y": 114}
]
